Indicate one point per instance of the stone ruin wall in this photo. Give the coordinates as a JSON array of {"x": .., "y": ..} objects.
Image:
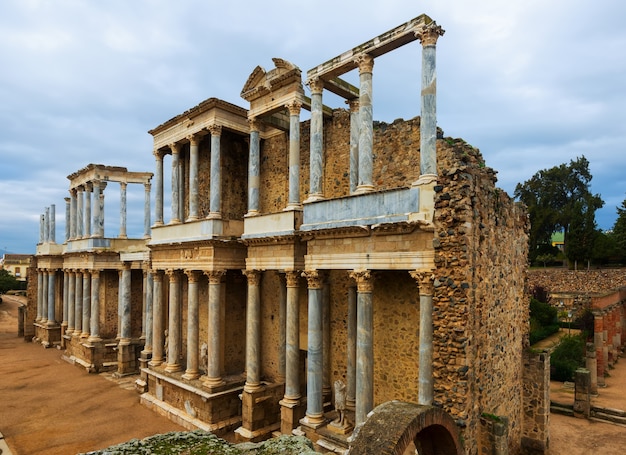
[
  {"x": 577, "y": 281},
  {"x": 480, "y": 309}
]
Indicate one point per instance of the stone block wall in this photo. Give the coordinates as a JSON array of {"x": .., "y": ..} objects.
[
  {"x": 577, "y": 281},
  {"x": 536, "y": 423}
]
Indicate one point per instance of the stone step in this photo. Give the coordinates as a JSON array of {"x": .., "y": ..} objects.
[
  {"x": 557, "y": 409},
  {"x": 609, "y": 418},
  {"x": 610, "y": 411}
]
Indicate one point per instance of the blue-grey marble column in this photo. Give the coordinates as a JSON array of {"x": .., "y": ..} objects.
[
  {"x": 51, "y": 298},
  {"x": 354, "y": 144},
  {"x": 192, "y": 371},
  {"x": 73, "y": 207},
  {"x": 425, "y": 367},
  {"x": 100, "y": 226},
  {"x": 78, "y": 304},
  {"x": 71, "y": 306},
  {"x": 366, "y": 127},
  {"x": 148, "y": 311},
  {"x": 215, "y": 192},
  {"x": 46, "y": 225},
  {"x": 326, "y": 387},
  {"x": 214, "y": 377},
  {"x": 175, "y": 148},
  {"x": 254, "y": 168},
  {"x": 42, "y": 224},
  {"x": 181, "y": 189},
  {"x": 294, "y": 156},
  {"x": 80, "y": 202},
  {"x": 364, "y": 346},
  {"x": 66, "y": 280},
  {"x": 97, "y": 191},
  {"x": 194, "y": 142},
  {"x": 292, "y": 373},
  {"x": 351, "y": 350},
  {"x": 315, "y": 406},
  {"x": 67, "y": 218},
  {"x": 158, "y": 190},
  {"x": 123, "y": 210},
  {"x": 125, "y": 331},
  {"x": 52, "y": 226},
  {"x": 158, "y": 341},
  {"x": 40, "y": 291},
  {"x": 94, "y": 322},
  {"x": 146, "y": 210},
  {"x": 173, "y": 326},
  {"x": 282, "y": 329},
  {"x": 253, "y": 331},
  {"x": 86, "y": 304},
  {"x": 428, "y": 122},
  {"x": 88, "y": 194},
  {"x": 316, "y": 151},
  {"x": 45, "y": 294}
]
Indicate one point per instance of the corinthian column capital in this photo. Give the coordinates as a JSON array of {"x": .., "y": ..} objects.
[
  {"x": 294, "y": 107},
  {"x": 365, "y": 63},
  {"x": 425, "y": 281},
  {"x": 364, "y": 281},
  {"x": 429, "y": 34}
]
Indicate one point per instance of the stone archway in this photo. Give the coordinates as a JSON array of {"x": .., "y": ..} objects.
[{"x": 393, "y": 426}]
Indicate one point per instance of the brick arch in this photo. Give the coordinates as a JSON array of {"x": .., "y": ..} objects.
[{"x": 392, "y": 426}]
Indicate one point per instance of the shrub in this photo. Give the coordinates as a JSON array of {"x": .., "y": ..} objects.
[
  {"x": 567, "y": 357},
  {"x": 543, "y": 321}
]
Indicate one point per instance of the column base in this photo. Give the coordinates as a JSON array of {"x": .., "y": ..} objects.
[
  {"x": 314, "y": 197},
  {"x": 173, "y": 367},
  {"x": 214, "y": 216},
  {"x": 191, "y": 375},
  {"x": 293, "y": 207},
  {"x": 313, "y": 421},
  {"x": 291, "y": 412},
  {"x": 214, "y": 385},
  {"x": 364, "y": 189},
  {"x": 94, "y": 339},
  {"x": 155, "y": 362}
]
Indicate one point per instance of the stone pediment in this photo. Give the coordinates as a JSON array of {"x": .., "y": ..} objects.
[{"x": 262, "y": 82}]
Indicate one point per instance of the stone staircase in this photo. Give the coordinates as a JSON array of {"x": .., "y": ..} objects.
[{"x": 600, "y": 414}]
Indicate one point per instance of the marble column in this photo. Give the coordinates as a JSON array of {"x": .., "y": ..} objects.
[
  {"x": 215, "y": 192},
  {"x": 42, "y": 224},
  {"x": 80, "y": 201},
  {"x": 94, "y": 322},
  {"x": 123, "y": 210},
  {"x": 78, "y": 304},
  {"x": 98, "y": 209},
  {"x": 294, "y": 156},
  {"x": 40, "y": 291},
  {"x": 354, "y": 144},
  {"x": 52, "y": 225},
  {"x": 282, "y": 329},
  {"x": 71, "y": 306},
  {"x": 86, "y": 304},
  {"x": 425, "y": 367},
  {"x": 146, "y": 210},
  {"x": 173, "y": 326},
  {"x": 253, "y": 332},
  {"x": 73, "y": 207},
  {"x": 366, "y": 125},
  {"x": 46, "y": 225},
  {"x": 175, "y": 148},
  {"x": 316, "y": 150},
  {"x": 428, "y": 116},
  {"x": 192, "y": 371},
  {"x": 181, "y": 188},
  {"x": 351, "y": 350},
  {"x": 66, "y": 280},
  {"x": 45, "y": 294},
  {"x": 326, "y": 387},
  {"x": 68, "y": 218},
  {"x": 125, "y": 331},
  {"x": 194, "y": 142},
  {"x": 214, "y": 377},
  {"x": 158, "y": 190},
  {"x": 88, "y": 194},
  {"x": 158, "y": 340},
  {"x": 315, "y": 406},
  {"x": 51, "y": 298},
  {"x": 254, "y": 168},
  {"x": 149, "y": 312},
  {"x": 292, "y": 374},
  {"x": 364, "y": 346}
]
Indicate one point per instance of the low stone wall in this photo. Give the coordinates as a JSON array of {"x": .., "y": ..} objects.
[{"x": 577, "y": 281}]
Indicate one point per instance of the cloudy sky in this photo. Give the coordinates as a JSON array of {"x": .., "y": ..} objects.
[{"x": 531, "y": 83}]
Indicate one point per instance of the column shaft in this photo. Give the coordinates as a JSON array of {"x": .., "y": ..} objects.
[
  {"x": 425, "y": 366},
  {"x": 158, "y": 190},
  {"x": 192, "y": 371},
  {"x": 364, "y": 347},
  {"x": 86, "y": 304},
  {"x": 73, "y": 207},
  {"x": 173, "y": 327},
  {"x": 214, "y": 377},
  {"x": 292, "y": 374},
  {"x": 253, "y": 332},
  {"x": 65, "y": 297},
  {"x": 45, "y": 294},
  {"x": 351, "y": 350},
  {"x": 216, "y": 172},
  {"x": 40, "y": 291},
  {"x": 68, "y": 218},
  {"x": 366, "y": 127},
  {"x": 282, "y": 330},
  {"x": 175, "y": 183},
  {"x": 316, "y": 190},
  {"x": 294, "y": 155},
  {"x": 94, "y": 325},
  {"x": 125, "y": 331},
  {"x": 52, "y": 224},
  {"x": 314, "y": 408},
  {"x": 146, "y": 211},
  {"x": 149, "y": 308},
  {"x": 88, "y": 191},
  {"x": 194, "y": 142},
  {"x": 123, "y": 210},
  {"x": 254, "y": 169},
  {"x": 78, "y": 304},
  {"x": 80, "y": 200},
  {"x": 51, "y": 298},
  {"x": 71, "y": 306},
  {"x": 157, "y": 319}
]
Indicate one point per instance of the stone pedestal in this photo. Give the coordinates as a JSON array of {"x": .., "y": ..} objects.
[
  {"x": 291, "y": 412},
  {"x": 582, "y": 395},
  {"x": 126, "y": 359}
]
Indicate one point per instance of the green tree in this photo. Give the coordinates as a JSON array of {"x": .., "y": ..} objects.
[
  {"x": 559, "y": 199},
  {"x": 605, "y": 248},
  {"x": 619, "y": 230},
  {"x": 7, "y": 281}
]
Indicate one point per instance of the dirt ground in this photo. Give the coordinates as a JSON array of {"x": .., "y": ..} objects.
[{"x": 48, "y": 407}]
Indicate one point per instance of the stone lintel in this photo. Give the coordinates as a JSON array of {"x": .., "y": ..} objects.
[
  {"x": 391, "y": 260},
  {"x": 388, "y": 41},
  {"x": 342, "y": 88}
]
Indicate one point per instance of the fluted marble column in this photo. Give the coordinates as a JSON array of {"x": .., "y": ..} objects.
[
  {"x": 214, "y": 377},
  {"x": 253, "y": 331},
  {"x": 51, "y": 298},
  {"x": 351, "y": 350},
  {"x": 192, "y": 371},
  {"x": 316, "y": 151},
  {"x": 123, "y": 210},
  {"x": 86, "y": 303},
  {"x": 94, "y": 322},
  {"x": 364, "y": 346},
  {"x": 294, "y": 156},
  {"x": 173, "y": 327},
  {"x": 254, "y": 168},
  {"x": 428, "y": 117},
  {"x": 146, "y": 211},
  {"x": 158, "y": 190},
  {"x": 366, "y": 127},
  {"x": 215, "y": 201},
  {"x": 425, "y": 366},
  {"x": 194, "y": 142},
  {"x": 292, "y": 374},
  {"x": 88, "y": 194},
  {"x": 175, "y": 218},
  {"x": 71, "y": 305},
  {"x": 315, "y": 406},
  {"x": 78, "y": 304},
  {"x": 157, "y": 319}
]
